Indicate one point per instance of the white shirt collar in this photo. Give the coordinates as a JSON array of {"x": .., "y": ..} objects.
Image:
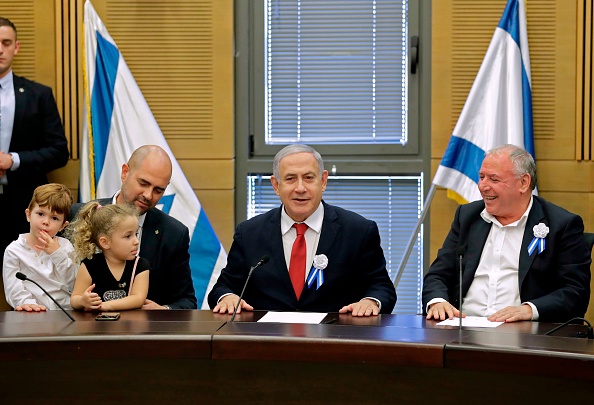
[
  {"x": 491, "y": 219},
  {"x": 141, "y": 218},
  {"x": 314, "y": 221},
  {"x": 7, "y": 81}
]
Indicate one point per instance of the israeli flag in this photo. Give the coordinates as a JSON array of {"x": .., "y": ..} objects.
[
  {"x": 117, "y": 121},
  {"x": 498, "y": 110}
]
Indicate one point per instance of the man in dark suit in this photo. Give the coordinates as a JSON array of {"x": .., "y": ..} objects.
[
  {"x": 32, "y": 140},
  {"x": 164, "y": 241},
  {"x": 354, "y": 275},
  {"x": 523, "y": 258}
]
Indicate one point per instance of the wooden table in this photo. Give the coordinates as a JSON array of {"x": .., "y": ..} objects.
[{"x": 199, "y": 357}]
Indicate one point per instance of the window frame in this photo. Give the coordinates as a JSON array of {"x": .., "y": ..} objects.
[{"x": 258, "y": 105}]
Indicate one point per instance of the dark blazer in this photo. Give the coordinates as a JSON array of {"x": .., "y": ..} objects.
[
  {"x": 556, "y": 281},
  {"x": 165, "y": 244},
  {"x": 38, "y": 138},
  {"x": 356, "y": 265}
]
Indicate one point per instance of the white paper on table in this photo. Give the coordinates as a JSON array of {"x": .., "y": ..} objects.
[
  {"x": 473, "y": 321},
  {"x": 293, "y": 317}
]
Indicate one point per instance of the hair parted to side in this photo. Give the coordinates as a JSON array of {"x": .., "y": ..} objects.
[
  {"x": 521, "y": 160},
  {"x": 292, "y": 149},
  {"x": 57, "y": 197},
  {"x": 5, "y": 22},
  {"x": 92, "y": 222}
]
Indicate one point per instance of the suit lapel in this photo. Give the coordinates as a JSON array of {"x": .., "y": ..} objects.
[
  {"x": 20, "y": 102},
  {"x": 328, "y": 235},
  {"x": 151, "y": 235},
  {"x": 329, "y": 231},
  {"x": 535, "y": 216},
  {"x": 278, "y": 254},
  {"x": 477, "y": 238}
]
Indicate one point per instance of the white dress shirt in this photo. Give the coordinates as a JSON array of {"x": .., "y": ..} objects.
[
  {"x": 56, "y": 273},
  {"x": 312, "y": 239},
  {"x": 312, "y": 235},
  {"x": 496, "y": 281},
  {"x": 7, "y": 108}
]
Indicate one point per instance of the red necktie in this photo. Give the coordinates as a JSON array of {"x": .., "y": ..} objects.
[{"x": 298, "y": 257}]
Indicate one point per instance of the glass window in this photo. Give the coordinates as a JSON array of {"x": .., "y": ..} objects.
[{"x": 336, "y": 72}]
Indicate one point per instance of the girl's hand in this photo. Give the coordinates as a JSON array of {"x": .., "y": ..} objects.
[
  {"x": 46, "y": 243},
  {"x": 90, "y": 300}
]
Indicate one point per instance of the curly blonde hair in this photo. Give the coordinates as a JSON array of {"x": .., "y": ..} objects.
[{"x": 94, "y": 221}]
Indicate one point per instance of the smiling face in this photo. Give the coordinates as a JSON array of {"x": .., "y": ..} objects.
[
  {"x": 505, "y": 194},
  {"x": 123, "y": 243},
  {"x": 9, "y": 47},
  {"x": 43, "y": 219},
  {"x": 300, "y": 185}
]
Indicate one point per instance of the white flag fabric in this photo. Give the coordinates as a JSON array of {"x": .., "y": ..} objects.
[
  {"x": 118, "y": 120},
  {"x": 498, "y": 109}
]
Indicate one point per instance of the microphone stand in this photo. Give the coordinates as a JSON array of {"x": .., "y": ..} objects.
[
  {"x": 264, "y": 260},
  {"x": 460, "y": 297},
  {"x": 589, "y": 330},
  {"x": 22, "y": 276}
]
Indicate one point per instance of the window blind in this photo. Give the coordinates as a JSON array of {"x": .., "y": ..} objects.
[{"x": 336, "y": 71}]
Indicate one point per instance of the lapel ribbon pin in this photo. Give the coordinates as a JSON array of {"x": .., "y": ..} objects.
[
  {"x": 320, "y": 262},
  {"x": 540, "y": 233}
]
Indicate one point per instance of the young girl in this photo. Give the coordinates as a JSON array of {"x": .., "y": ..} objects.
[{"x": 114, "y": 279}]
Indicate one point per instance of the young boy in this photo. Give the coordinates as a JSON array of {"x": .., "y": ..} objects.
[{"x": 41, "y": 255}]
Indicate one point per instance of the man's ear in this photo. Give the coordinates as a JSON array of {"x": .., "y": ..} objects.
[
  {"x": 274, "y": 182},
  {"x": 125, "y": 171},
  {"x": 324, "y": 180},
  {"x": 525, "y": 183}
]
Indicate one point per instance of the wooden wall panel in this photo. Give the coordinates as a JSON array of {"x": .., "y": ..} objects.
[{"x": 181, "y": 55}]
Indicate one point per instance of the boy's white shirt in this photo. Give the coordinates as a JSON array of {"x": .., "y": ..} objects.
[{"x": 56, "y": 273}]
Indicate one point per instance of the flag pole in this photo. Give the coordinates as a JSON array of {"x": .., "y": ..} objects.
[{"x": 415, "y": 232}]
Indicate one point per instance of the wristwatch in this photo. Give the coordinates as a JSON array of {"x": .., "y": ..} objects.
[{"x": 166, "y": 306}]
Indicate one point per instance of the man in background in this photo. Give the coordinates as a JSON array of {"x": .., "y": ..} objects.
[{"x": 32, "y": 140}]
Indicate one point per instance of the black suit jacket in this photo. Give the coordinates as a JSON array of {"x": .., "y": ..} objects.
[
  {"x": 38, "y": 138},
  {"x": 165, "y": 244},
  {"x": 356, "y": 265},
  {"x": 556, "y": 281}
]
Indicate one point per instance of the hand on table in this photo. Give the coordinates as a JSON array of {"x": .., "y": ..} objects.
[
  {"x": 30, "y": 308},
  {"x": 441, "y": 311},
  {"x": 513, "y": 314},
  {"x": 227, "y": 305},
  {"x": 365, "y": 307}
]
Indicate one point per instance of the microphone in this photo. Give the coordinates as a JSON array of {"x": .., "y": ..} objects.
[
  {"x": 460, "y": 253},
  {"x": 262, "y": 261},
  {"x": 589, "y": 330},
  {"x": 23, "y": 277}
]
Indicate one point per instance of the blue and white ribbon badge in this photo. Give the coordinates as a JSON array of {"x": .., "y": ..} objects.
[
  {"x": 316, "y": 273},
  {"x": 538, "y": 243}
]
